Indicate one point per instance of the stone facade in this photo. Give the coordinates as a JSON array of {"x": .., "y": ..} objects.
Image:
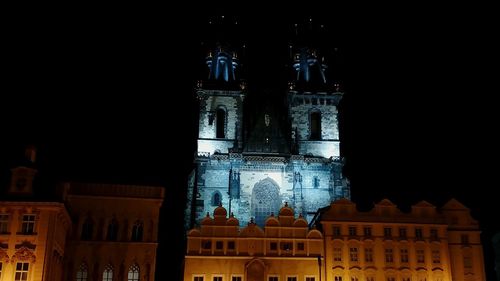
[{"x": 297, "y": 161}]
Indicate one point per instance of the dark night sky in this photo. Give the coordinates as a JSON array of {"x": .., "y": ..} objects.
[{"x": 101, "y": 100}]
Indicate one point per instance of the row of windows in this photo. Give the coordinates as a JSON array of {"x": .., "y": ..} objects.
[
  {"x": 112, "y": 230},
  {"x": 27, "y": 224},
  {"x": 388, "y": 232},
  {"x": 240, "y": 278},
  {"x": 273, "y": 246},
  {"x": 388, "y": 255},
  {"x": 107, "y": 274}
]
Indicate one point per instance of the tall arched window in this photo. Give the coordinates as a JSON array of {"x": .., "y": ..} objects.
[
  {"x": 133, "y": 273},
  {"x": 107, "y": 274},
  {"x": 216, "y": 199},
  {"x": 112, "y": 233},
  {"x": 137, "y": 231},
  {"x": 315, "y": 125},
  {"x": 221, "y": 124},
  {"x": 87, "y": 229},
  {"x": 82, "y": 273}
]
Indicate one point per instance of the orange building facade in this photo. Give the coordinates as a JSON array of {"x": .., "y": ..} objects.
[
  {"x": 383, "y": 244},
  {"x": 285, "y": 249},
  {"x": 88, "y": 232}
]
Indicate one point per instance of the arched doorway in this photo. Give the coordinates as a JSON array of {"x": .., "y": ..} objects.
[
  {"x": 255, "y": 270},
  {"x": 265, "y": 200}
]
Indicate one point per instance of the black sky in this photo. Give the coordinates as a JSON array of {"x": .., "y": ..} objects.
[{"x": 109, "y": 101}]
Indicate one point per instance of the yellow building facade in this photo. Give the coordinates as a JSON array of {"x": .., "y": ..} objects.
[
  {"x": 32, "y": 240},
  {"x": 285, "y": 249},
  {"x": 383, "y": 244},
  {"x": 386, "y": 244}
]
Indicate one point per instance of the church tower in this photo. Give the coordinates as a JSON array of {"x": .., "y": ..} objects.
[
  {"x": 286, "y": 156},
  {"x": 23, "y": 175}
]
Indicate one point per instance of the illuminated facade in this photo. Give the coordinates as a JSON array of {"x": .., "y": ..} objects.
[
  {"x": 387, "y": 244},
  {"x": 87, "y": 232},
  {"x": 284, "y": 249},
  {"x": 115, "y": 231},
  {"x": 254, "y": 168}
]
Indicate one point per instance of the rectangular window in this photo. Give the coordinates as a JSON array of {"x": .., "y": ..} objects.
[
  {"x": 291, "y": 278},
  {"x": 464, "y": 238},
  {"x": 468, "y": 262},
  {"x": 404, "y": 255},
  {"x": 230, "y": 245},
  {"x": 286, "y": 246},
  {"x": 367, "y": 231},
  {"x": 391, "y": 279},
  {"x": 4, "y": 223},
  {"x": 21, "y": 271},
  {"x": 300, "y": 246},
  {"x": 219, "y": 245},
  {"x": 434, "y": 234},
  {"x": 338, "y": 278},
  {"x": 436, "y": 256},
  {"x": 354, "y": 279},
  {"x": 273, "y": 278},
  {"x": 368, "y": 254},
  {"x": 206, "y": 244},
  {"x": 28, "y": 225},
  {"x": 274, "y": 246},
  {"x": 337, "y": 254},
  {"x": 418, "y": 233},
  {"x": 217, "y": 278},
  {"x": 310, "y": 278},
  {"x": 420, "y": 256},
  {"x": 352, "y": 231},
  {"x": 336, "y": 230},
  {"x": 353, "y": 253},
  {"x": 389, "y": 258},
  {"x": 370, "y": 278},
  {"x": 402, "y": 233},
  {"x": 236, "y": 278},
  {"x": 198, "y": 278},
  {"x": 387, "y": 232}
]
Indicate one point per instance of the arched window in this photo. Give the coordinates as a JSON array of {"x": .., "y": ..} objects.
[
  {"x": 315, "y": 124},
  {"x": 137, "y": 231},
  {"x": 87, "y": 229},
  {"x": 216, "y": 199},
  {"x": 133, "y": 273},
  {"x": 82, "y": 273},
  {"x": 221, "y": 124},
  {"x": 112, "y": 233},
  {"x": 107, "y": 274}
]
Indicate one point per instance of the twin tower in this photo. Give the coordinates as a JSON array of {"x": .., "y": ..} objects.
[{"x": 252, "y": 166}]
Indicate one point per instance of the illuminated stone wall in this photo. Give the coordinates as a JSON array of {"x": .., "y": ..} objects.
[{"x": 320, "y": 183}]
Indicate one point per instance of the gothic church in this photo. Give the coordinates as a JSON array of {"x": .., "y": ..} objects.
[{"x": 255, "y": 167}]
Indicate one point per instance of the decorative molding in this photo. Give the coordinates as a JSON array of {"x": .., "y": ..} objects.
[{"x": 23, "y": 254}]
